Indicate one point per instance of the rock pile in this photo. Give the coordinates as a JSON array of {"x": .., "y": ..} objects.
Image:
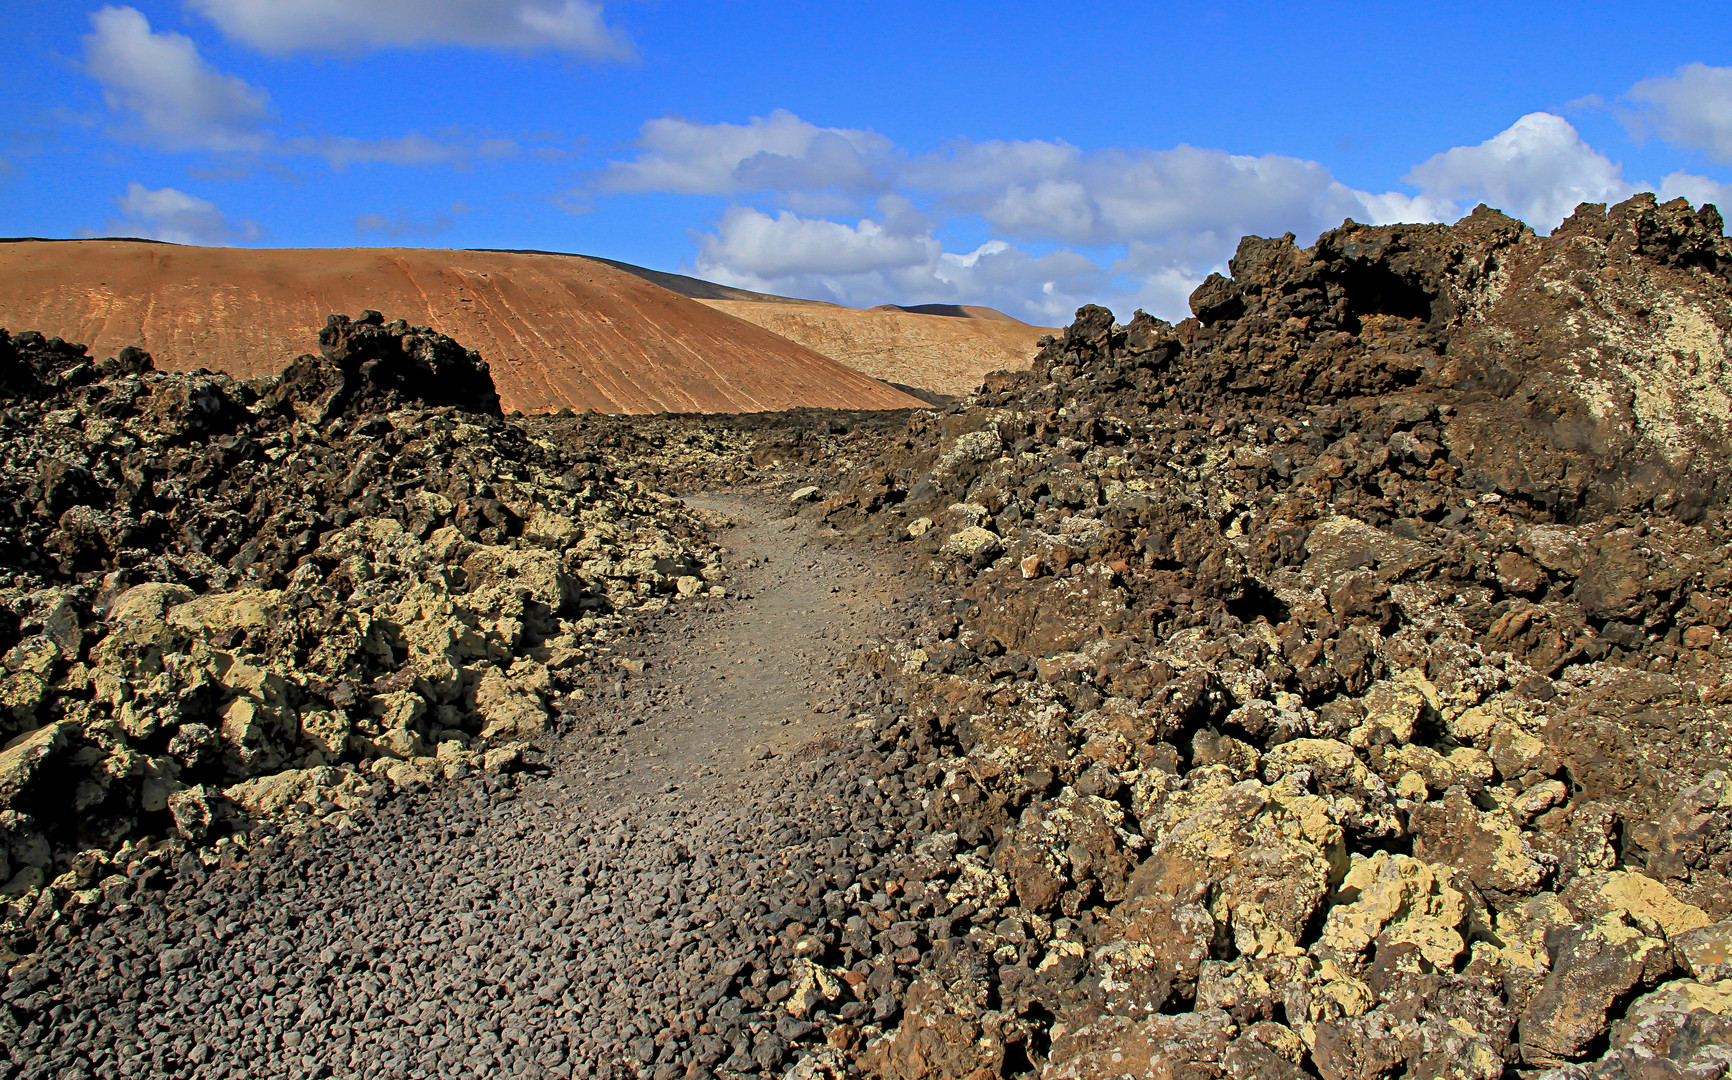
[
  {"x": 698, "y": 451},
  {"x": 1337, "y": 682},
  {"x": 1333, "y": 684},
  {"x": 221, "y": 596}
]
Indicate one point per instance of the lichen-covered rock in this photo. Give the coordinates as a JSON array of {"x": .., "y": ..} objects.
[
  {"x": 947, "y": 1031},
  {"x": 24, "y": 757},
  {"x": 1487, "y": 846},
  {"x": 1152, "y": 954},
  {"x": 974, "y": 543},
  {"x": 1682, "y": 1029},
  {"x": 1154, "y": 1048},
  {"x": 509, "y": 709},
  {"x": 197, "y": 811},
  {"x": 271, "y": 796},
  {"x": 1394, "y": 900},
  {"x": 1706, "y": 951},
  {"x": 1593, "y": 966},
  {"x": 216, "y": 583},
  {"x": 1268, "y": 863}
]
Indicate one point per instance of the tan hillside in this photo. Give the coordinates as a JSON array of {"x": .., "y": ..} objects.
[
  {"x": 558, "y": 330},
  {"x": 939, "y": 352},
  {"x": 945, "y": 348}
]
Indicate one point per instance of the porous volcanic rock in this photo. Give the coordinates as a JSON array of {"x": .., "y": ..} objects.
[
  {"x": 1343, "y": 689},
  {"x": 220, "y": 597}
]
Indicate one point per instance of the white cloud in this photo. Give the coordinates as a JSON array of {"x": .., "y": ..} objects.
[
  {"x": 751, "y": 242},
  {"x": 1153, "y": 223},
  {"x": 1698, "y": 189},
  {"x": 1191, "y": 199},
  {"x": 1537, "y": 169},
  {"x": 1178, "y": 213},
  {"x": 1183, "y": 209},
  {"x": 779, "y": 153},
  {"x": 173, "y": 98},
  {"x": 1691, "y": 108},
  {"x": 1038, "y": 189},
  {"x": 874, "y": 262},
  {"x": 401, "y": 225},
  {"x": 179, "y": 218},
  {"x": 284, "y": 26}
]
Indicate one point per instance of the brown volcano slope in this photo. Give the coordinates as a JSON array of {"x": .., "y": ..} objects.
[
  {"x": 947, "y": 348},
  {"x": 558, "y": 330},
  {"x": 945, "y": 353}
]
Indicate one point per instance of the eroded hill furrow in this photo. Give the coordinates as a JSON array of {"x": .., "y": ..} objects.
[{"x": 627, "y": 344}]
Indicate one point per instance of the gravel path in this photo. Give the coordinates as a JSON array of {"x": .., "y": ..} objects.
[{"x": 639, "y": 908}]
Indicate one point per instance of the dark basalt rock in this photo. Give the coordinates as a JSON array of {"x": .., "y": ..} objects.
[
  {"x": 1426, "y": 523},
  {"x": 366, "y": 365}
]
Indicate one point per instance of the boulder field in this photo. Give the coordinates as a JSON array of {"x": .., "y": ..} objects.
[
  {"x": 223, "y": 595},
  {"x": 1333, "y": 684},
  {"x": 1337, "y": 682}
]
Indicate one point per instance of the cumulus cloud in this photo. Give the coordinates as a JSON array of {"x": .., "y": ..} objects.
[
  {"x": 1691, "y": 107},
  {"x": 1184, "y": 210},
  {"x": 1190, "y": 198},
  {"x": 874, "y": 261},
  {"x": 1698, "y": 189},
  {"x": 779, "y": 152},
  {"x": 787, "y": 245},
  {"x": 1537, "y": 169},
  {"x": 1132, "y": 227},
  {"x": 575, "y": 27},
  {"x": 1178, "y": 213},
  {"x": 169, "y": 94},
  {"x": 170, "y": 97},
  {"x": 173, "y": 215}
]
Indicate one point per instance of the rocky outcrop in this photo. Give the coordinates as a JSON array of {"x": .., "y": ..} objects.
[
  {"x": 228, "y": 599},
  {"x": 1336, "y": 681},
  {"x": 367, "y": 366}
]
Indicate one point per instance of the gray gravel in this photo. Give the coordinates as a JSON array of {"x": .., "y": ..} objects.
[{"x": 638, "y": 909}]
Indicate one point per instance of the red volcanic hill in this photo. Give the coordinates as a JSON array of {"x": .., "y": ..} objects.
[{"x": 558, "y": 330}]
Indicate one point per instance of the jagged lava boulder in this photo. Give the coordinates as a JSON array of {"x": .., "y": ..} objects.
[
  {"x": 367, "y": 365},
  {"x": 220, "y": 597},
  {"x": 1585, "y": 370}
]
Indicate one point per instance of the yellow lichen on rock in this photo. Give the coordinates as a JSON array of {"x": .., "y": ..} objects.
[{"x": 1395, "y": 899}]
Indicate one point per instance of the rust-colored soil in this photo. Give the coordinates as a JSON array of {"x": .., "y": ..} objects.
[
  {"x": 947, "y": 348},
  {"x": 558, "y": 330},
  {"x": 949, "y": 352}
]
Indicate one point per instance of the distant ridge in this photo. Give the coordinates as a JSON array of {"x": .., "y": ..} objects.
[
  {"x": 935, "y": 351},
  {"x": 954, "y": 311},
  {"x": 695, "y": 288},
  {"x": 559, "y": 332}
]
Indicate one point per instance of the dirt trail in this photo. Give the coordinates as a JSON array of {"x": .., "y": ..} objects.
[
  {"x": 612, "y": 917},
  {"x": 762, "y": 672}
]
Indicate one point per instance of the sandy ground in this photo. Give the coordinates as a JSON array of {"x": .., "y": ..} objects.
[{"x": 947, "y": 353}]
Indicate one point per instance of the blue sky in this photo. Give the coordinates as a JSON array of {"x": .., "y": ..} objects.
[{"x": 1031, "y": 157}]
